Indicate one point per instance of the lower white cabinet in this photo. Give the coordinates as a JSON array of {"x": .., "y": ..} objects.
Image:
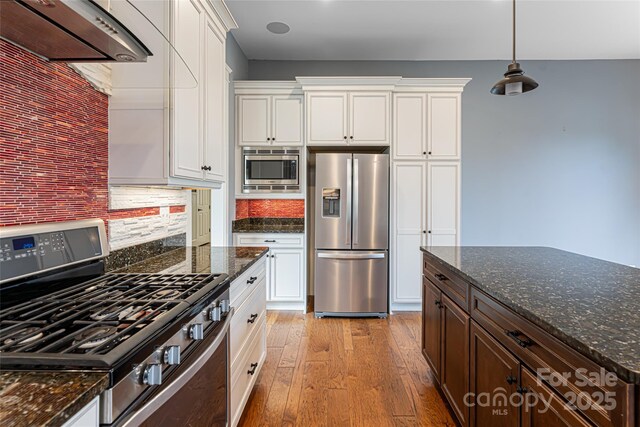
[
  {"x": 89, "y": 416},
  {"x": 425, "y": 211},
  {"x": 248, "y": 335},
  {"x": 286, "y": 267}
]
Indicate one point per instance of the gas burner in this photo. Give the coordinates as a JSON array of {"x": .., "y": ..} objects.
[
  {"x": 94, "y": 337},
  {"x": 24, "y": 336},
  {"x": 165, "y": 294},
  {"x": 113, "y": 313}
]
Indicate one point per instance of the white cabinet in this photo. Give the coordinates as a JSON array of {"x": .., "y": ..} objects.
[
  {"x": 408, "y": 229},
  {"x": 167, "y": 121},
  {"x": 247, "y": 334},
  {"x": 286, "y": 271},
  {"x": 444, "y": 126},
  {"x": 345, "y": 118},
  {"x": 443, "y": 203},
  {"x": 89, "y": 416},
  {"x": 286, "y": 267},
  {"x": 269, "y": 120},
  {"x": 409, "y": 126}
]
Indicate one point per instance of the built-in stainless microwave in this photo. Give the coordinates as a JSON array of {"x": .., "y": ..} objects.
[{"x": 270, "y": 170}]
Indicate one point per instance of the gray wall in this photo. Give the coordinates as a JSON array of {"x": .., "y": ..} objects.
[
  {"x": 559, "y": 166},
  {"x": 239, "y": 64}
]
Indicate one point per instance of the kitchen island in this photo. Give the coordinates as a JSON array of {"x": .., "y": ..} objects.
[{"x": 537, "y": 322}]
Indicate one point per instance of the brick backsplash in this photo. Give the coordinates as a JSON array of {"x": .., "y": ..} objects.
[
  {"x": 269, "y": 208},
  {"x": 54, "y": 151}
]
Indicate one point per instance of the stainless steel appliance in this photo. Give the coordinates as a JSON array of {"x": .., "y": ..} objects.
[
  {"x": 162, "y": 338},
  {"x": 270, "y": 170},
  {"x": 69, "y": 30},
  {"x": 351, "y": 234}
]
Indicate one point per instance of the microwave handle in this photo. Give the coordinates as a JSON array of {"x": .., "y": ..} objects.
[{"x": 150, "y": 407}]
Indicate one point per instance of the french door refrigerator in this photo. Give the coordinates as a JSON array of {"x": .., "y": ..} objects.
[{"x": 351, "y": 234}]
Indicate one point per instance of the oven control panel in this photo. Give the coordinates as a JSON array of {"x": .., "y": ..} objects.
[{"x": 32, "y": 249}]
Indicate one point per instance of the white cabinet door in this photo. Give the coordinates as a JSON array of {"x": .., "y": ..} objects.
[
  {"x": 409, "y": 126},
  {"x": 254, "y": 119},
  {"x": 186, "y": 139},
  {"x": 88, "y": 416},
  {"x": 326, "y": 118},
  {"x": 215, "y": 147},
  {"x": 286, "y": 275},
  {"x": 286, "y": 126},
  {"x": 369, "y": 118},
  {"x": 444, "y": 126},
  {"x": 443, "y": 203},
  {"x": 408, "y": 230}
]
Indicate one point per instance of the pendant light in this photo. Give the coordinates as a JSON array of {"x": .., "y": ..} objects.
[{"x": 514, "y": 82}]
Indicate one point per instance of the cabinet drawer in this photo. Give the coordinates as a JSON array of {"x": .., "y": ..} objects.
[
  {"x": 243, "y": 374},
  {"x": 242, "y": 287},
  {"x": 247, "y": 317},
  {"x": 275, "y": 240},
  {"x": 450, "y": 283},
  {"x": 550, "y": 358}
]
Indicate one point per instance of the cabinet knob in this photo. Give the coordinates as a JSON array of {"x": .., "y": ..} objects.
[
  {"x": 429, "y": 231},
  {"x": 424, "y": 231},
  {"x": 252, "y": 318},
  {"x": 268, "y": 139},
  {"x": 345, "y": 137},
  {"x": 351, "y": 137},
  {"x": 273, "y": 139},
  {"x": 424, "y": 152},
  {"x": 429, "y": 153},
  {"x": 511, "y": 379},
  {"x": 522, "y": 390},
  {"x": 438, "y": 303},
  {"x": 204, "y": 168},
  {"x": 252, "y": 371}
]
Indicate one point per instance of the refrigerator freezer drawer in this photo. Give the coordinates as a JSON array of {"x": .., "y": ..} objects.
[{"x": 351, "y": 283}]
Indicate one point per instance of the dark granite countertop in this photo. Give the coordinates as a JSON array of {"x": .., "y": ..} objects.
[
  {"x": 46, "y": 398},
  {"x": 231, "y": 260},
  {"x": 590, "y": 304},
  {"x": 268, "y": 225}
]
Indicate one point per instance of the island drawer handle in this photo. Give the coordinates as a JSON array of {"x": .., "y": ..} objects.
[
  {"x": 252, "y": 318},
  {"x": 251, "y": 280},
  {"x": 270, "y": 241},
  {"x": 516, "y": 337},
  {"x": 252, "y": 371},
  {"x": 440, "y": 276}
]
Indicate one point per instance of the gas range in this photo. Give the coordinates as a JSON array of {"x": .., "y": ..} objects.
[{"x": 60, "y": 311}]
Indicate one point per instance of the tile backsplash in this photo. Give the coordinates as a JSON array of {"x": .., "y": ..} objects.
[{"x": 269, "y": 208}]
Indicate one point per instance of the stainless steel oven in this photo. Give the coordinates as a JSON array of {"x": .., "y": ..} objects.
[
  {"x": 270, "y": 169},
  {"x": 196, "y": 394}
]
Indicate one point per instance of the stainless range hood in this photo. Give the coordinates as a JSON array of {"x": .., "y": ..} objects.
[{"x": 69, "y": 31}]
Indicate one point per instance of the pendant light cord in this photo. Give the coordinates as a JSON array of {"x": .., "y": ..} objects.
[{"x": 514, "y": 31}]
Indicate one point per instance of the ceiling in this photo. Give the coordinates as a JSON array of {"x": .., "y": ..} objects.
[{"x": 438, "y": 30}]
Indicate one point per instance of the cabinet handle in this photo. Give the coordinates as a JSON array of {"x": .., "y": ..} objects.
[
  {"x": 204, "y": 168},
  {"x": 251, "y": 280},
  {"x": 511, "y": 379},
  {"x": 516, "y": 337},
  {"x": 440, "y": 277},
  {"x": 252, "y": 318},
  {"x": 252, "y": 371},
  {"x": 269, "y": 241}
]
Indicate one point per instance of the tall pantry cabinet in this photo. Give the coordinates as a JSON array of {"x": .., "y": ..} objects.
[{"x": 425, "y": 193}]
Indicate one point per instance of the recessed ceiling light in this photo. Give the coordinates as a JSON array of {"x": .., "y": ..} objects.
[{"x": 278, "y": 27}]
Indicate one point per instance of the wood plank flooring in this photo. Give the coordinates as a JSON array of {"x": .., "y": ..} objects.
[{"x": 344, "y": 372}]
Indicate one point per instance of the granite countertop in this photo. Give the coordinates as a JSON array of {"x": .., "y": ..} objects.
[
  {"x": 268, "y": 225},
  {"x": 231, "y": 260},
  {"x": 46, "y": 398},
  {"x": 590, "y": 304}
]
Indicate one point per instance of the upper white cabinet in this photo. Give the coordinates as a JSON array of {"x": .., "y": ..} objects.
[
  {"x": 409, "y": 126},
  {"x": 344, "y": 118},
  {"x": 167, "y": 117},
  {"x": 443, "y": 126},
  {"x": 269, "y": 119}
]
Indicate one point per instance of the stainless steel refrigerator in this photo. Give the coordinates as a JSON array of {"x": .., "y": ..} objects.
[{"x": 351, "y": 234}]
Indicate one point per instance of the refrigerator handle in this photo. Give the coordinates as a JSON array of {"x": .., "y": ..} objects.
[
  {"x": 356, "y": 196},
  {"x": 348, "y": 219},
  {"x": 351, "y": 255}
]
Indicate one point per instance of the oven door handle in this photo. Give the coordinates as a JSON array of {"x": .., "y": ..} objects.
[{"x": 143, "y": 413}]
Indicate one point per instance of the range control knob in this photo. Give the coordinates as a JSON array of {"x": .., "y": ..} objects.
[
  {"x": 152, "y": 374},
  {"x": 224, "y": 304},
  {"x": 215, "y": 314},
  {"x": 172, "y": 355},
  {"x": 196, "y": 331}
]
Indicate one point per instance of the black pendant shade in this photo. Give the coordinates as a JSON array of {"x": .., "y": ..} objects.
[
  {"x": 514, "y": 79},
  {"x": 514, "y": 82}
]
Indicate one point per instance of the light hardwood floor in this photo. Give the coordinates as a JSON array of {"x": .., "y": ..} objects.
[{"x": 344, "y": 372}]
